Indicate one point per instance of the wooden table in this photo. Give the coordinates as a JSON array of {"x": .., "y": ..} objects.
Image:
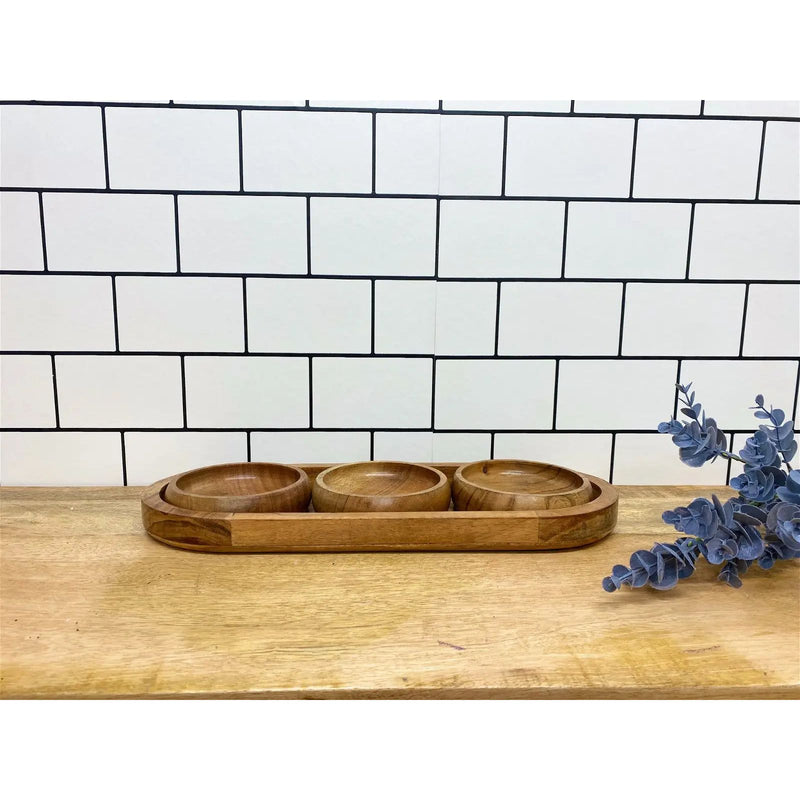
[{"x": 92, "y": 607}]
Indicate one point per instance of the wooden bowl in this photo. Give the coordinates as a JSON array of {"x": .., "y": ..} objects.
[
  {"x": 241, "y": 487},
  {"x": 381, "y": 486},
  {"x": 513, "y": 485}
]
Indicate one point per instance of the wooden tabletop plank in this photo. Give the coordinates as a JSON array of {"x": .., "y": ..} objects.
[{"x": 92, "y": 607}]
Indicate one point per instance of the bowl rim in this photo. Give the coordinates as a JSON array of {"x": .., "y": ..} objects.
[
  {"x": 320, "y": 479},
  {"x": 301, "y": 477},
  {"x": 458, "y": 475}
]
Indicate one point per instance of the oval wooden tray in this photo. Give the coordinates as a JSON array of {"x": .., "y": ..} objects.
[{"x": 304, "y": 532}]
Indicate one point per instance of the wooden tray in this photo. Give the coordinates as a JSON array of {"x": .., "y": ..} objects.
[{"x": 220, "y": 532}]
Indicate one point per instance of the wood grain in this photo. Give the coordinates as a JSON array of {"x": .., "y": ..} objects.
[
  {"x": 371, "y": 531},
  {"x": 514, "y": 485},
  {"x": 252, "y": 487},
  {"x": 375, "y": 486},
  {"x": 92, "y": 607}
]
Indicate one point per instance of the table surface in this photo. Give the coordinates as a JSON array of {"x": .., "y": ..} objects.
[{"x": 90, "y": 606}]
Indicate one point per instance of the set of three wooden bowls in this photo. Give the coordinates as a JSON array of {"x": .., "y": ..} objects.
[{"x": 379, "y": 486}]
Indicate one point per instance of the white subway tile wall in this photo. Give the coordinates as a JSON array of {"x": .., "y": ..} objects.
[{"x": 422, "y": 280}]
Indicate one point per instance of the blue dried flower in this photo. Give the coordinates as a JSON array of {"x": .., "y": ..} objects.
[
  {"x": 790, "y": 492},
  {"x": 697, "y": 519},
  {"x": 754, "y": 485},
  {"x": 761, "y": 526}
]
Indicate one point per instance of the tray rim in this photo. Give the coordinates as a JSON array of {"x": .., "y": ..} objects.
[{"x": 238, "y": 523}]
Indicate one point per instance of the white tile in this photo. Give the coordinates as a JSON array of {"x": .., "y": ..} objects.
[
  {"x": 651, "y": 458},
  {"x": 56, "y": 312},
  {"x": 615, "y": 395},
  {"x": 494, "y": 395},
  {"x": 727, "y": 389},
  {"x": 110, "y": 232},
  {"x": 414, "y": 446},
  {"x": 26, "y": 392},
  {"x": 553, "y": 106},
  {"x": 246, "y": 392},
  {"x": 461, "y": 447},
  {"x": 696, "y": 158},
  {"x": 682, "y": 319},
  {"x": 407, "y": 153},
  {"x": 405, "y": 316},
  {"x": 585, "y": 452},
  {"x": 465, "y": 318},
  {"x": 637, "y": 106},
  {"x": 772, "y": 327},
  {"x": 410, "y": 104},
  {"x": 51, "y": 146},
  {"x": 180, "y": 314},
  {"x": 372, "y": 392},
  {"x": 375, "y": 236},
  {"x": 746, "y": 241},
  {"x": 307, "y": 151},
  {"x": 20, "y": 231},
  {"x": 60, "y": 458},
  {"x": 243, "y": 234},
  {"x": 569, "y": 156},
  {"x": 173, "y": 148},
  {"x": 627, "y": 240},
  {"x": 752, "y": 108},
  {"x": 310, "y": 447},
  {"x": 500, "y": 238},
  {"x": 152, "y": 456},
  {"x": 301, "y": 315},
  {"x": 471, "y": 155},
  {"x": 780, "y": 172},
  {"x": 559, "y": 318},
  {"x": 119, "y": 391}
]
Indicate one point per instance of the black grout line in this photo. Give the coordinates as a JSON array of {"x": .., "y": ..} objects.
[
  {"x": 249, "y": 451},
  {"x": 114, "y": 312},
  {"x": 760, "y": 159},
  {"x": 366, "y": 355},
  {"x": 124, "y": 458},
  {"x": 403, "y": 196},
  {"x": 374, "y": 149},
  {"x": 244, "y": 314},
  {"x": 728, "y": 469},
  {"x": 564, "y": 241},
  {"x": 497, "y": 319},
  {"x": 308, "y": 235},
  {"x": 372, "y": 445},
  {"x": 744, "y": 317},
  {"x": 677, "y": 381},
  {"x": 689, "y": 242},
  {"x": 612, "y": 455},
  {"x": 633, "y": 156},
  {"x": 440, "y": 105},
  {"x": 491, "y": 444},
  {"x": 183, "y": 390},
  {"x": 372, "y": 317},
  {"x": 177, "y": 235},
  {"x": 241, "y": 149},
  {"x": 434, "y": 277},
  {"x": 105, "y": 144},
  {"x": 55, "y": 390},
  {"x": 310, "y": 393},
  {"x": 44, "y": 237},
  {"x": 505, "y": 156},
  {"x": 433, "y": 394},
  {"x": 555, "y": 392},
  {"x": 398, "y": 110},
  {"x": 796, "y": 393},
  {"x": 166, "y": 429},
  {"x": 622, "y": 317}
]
